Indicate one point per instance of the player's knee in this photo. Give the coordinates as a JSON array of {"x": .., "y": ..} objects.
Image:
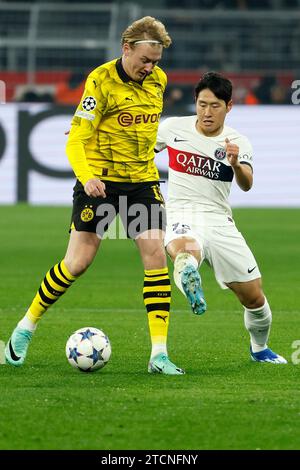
[
  {"x": 155, "y": 258},
  {"x": 256, "y": 300},
  {"x": 187, "y": 246},
  {"x": 159, "y": 257},
  {"x": 78, "y": 266}
]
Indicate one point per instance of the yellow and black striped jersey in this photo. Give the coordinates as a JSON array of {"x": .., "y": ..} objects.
[{"x": 114, "y": 128}]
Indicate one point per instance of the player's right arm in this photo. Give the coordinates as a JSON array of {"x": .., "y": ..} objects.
[{"x": 84, "y": 124}]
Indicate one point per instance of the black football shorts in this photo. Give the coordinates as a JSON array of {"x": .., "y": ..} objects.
[{"x": 140, "y": 206}]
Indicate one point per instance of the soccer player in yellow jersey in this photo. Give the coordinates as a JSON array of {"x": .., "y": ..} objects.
[{"x": 111, "y": 150}]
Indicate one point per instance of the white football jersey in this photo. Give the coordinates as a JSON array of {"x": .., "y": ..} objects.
[{"x": 200, "y": 175}]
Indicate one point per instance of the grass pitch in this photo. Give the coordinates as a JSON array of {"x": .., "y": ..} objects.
[{"x": 223, "y": 402}]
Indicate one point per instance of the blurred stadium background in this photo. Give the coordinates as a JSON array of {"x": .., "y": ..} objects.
[{"x": 48, "y": 48}]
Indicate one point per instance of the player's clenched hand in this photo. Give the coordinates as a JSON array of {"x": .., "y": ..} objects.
[
  {"x": 95, "y": 188},
  {"x": 232, "y": 152}
]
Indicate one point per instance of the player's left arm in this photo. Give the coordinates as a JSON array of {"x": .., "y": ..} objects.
[
  {"x": 84, "y": 125},
  {"x": 242, "y": 170}
]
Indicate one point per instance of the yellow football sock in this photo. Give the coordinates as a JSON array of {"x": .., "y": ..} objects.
[
  {"x": 157, "y": 298},
  {"x": 55, "y": 283}
]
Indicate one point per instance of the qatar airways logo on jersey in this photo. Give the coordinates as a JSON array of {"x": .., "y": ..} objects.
[
  {"x": 199, "y": 165},
  {"x": 127, "y": 119}
]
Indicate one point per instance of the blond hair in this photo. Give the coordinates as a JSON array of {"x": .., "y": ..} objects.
[{"x": 147, "y": 28}]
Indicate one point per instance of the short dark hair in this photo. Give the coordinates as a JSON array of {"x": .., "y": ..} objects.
[{"x": 215, "y": 82}]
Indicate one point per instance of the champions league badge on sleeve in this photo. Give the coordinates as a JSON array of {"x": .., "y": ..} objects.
[
  {"x": 220, "y": 153},
  {"x": 89, "y": 103}
]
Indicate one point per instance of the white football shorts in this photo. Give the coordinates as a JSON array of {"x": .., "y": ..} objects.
[{"x": 222, "y": 247}]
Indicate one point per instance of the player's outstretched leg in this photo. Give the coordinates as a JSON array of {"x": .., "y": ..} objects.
[
  {"x": 57, "y": 280},
  {"x": 188, "y": 280},
  {"x": 258, "y": 323}
]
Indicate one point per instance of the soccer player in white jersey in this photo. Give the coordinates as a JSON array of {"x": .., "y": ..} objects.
[{"x": 205, "y": 156}]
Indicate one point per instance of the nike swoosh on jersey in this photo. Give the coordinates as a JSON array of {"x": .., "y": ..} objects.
[
  {"x": 250, "y": 270},
  {"x": 12, "y": 353},
  {"x": 179, "y": 140}
]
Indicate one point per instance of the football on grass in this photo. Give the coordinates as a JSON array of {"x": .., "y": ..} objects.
[{"x": 88, "y": 349}]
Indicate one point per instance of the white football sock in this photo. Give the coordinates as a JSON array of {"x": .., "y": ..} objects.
[
  {"x": 258, "y": 323},
  {"x": 181, "y": 261},
  {"x": 158, "y": 348},
  {"x": 27, "y": 324}
]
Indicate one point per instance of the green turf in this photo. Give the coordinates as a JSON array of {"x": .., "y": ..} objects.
[{"x": 223, "y": 402}]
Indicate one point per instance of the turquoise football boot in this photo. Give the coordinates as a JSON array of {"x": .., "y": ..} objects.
[
  {"x": 191, "y": 283},
  {"x": 16, "y": 348},
  {"x": 161, "y": 364}
]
